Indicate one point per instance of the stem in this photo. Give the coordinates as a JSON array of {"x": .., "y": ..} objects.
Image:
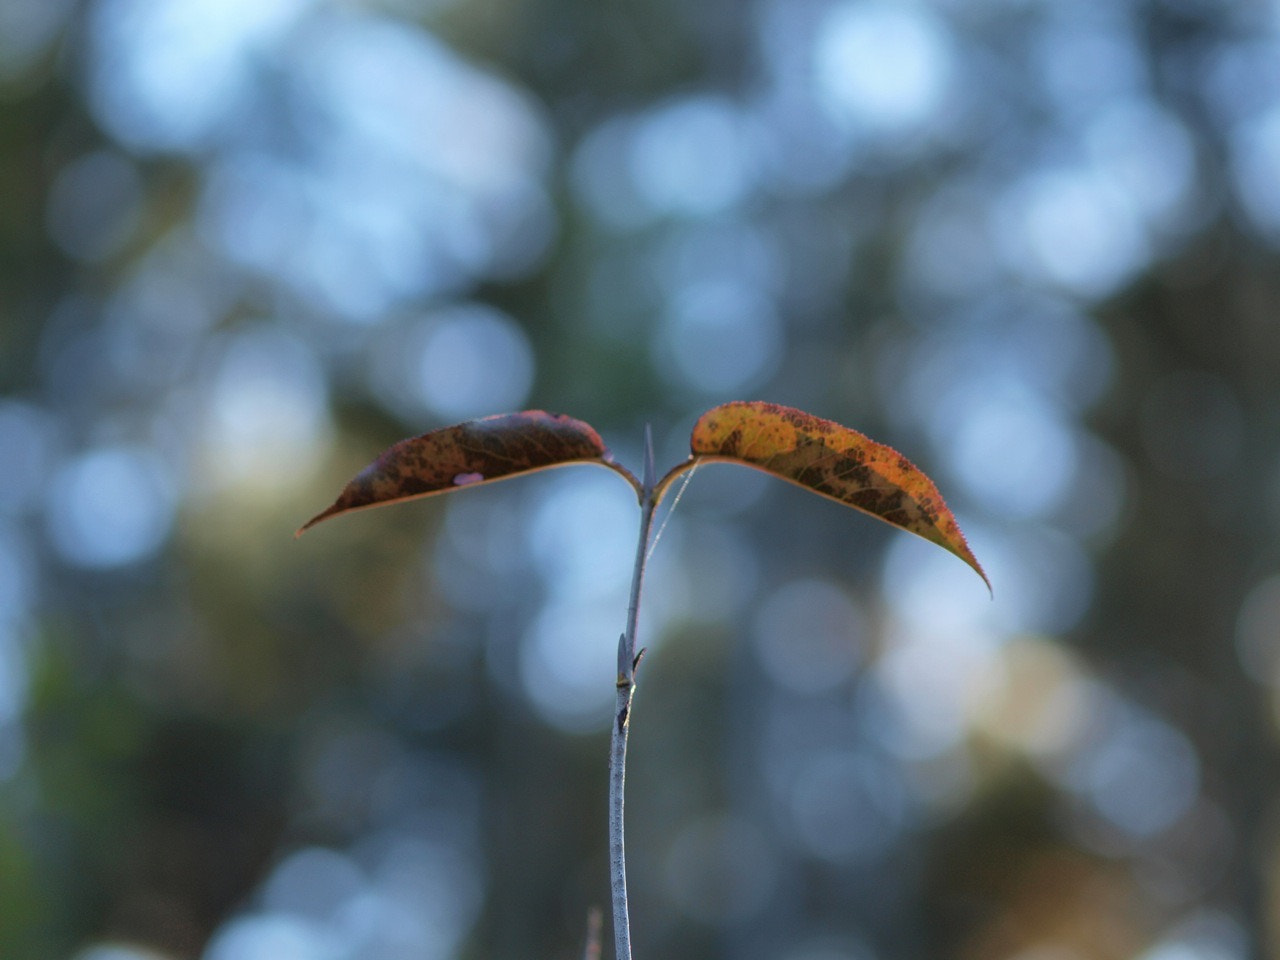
[
  {"x": 628, "y": 660},
  {"x": 617, "y": 849}
]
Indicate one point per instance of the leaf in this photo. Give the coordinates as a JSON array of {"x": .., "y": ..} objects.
[
  {"x": 471, "y": 453},
  {"x": 831, "y": 460}
]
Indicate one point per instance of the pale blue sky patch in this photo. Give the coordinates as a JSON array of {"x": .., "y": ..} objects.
[
  {"x": 111, "y": 506},
  {"x": 884, "y": 67}
]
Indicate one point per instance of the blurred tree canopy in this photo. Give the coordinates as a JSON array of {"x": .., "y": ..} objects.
[{"x": 245, "y": 244}]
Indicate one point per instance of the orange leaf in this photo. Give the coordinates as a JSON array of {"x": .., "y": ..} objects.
[
  {"x": 833, "y": 461},
  {"x": 471, "y": 453}
]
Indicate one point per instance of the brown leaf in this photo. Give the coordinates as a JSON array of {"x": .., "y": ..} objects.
[
  {"x": 831, "y": 460},
  {"x": 471, "y": 453}
]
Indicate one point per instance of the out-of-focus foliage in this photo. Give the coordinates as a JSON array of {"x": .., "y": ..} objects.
[{"x": 245, "y": 244}]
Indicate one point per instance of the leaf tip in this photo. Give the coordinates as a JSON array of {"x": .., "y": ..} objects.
[
  {"x": 947, "y": 534},
  {"x": 963, "y": 551},
  {"x": 991, "y": 591},
  {"x": 311, "y": 523},
  {"x": 341, "y": 505}
]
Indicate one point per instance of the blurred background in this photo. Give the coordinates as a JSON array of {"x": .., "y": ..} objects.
[{"x": 246, "y": 244}]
